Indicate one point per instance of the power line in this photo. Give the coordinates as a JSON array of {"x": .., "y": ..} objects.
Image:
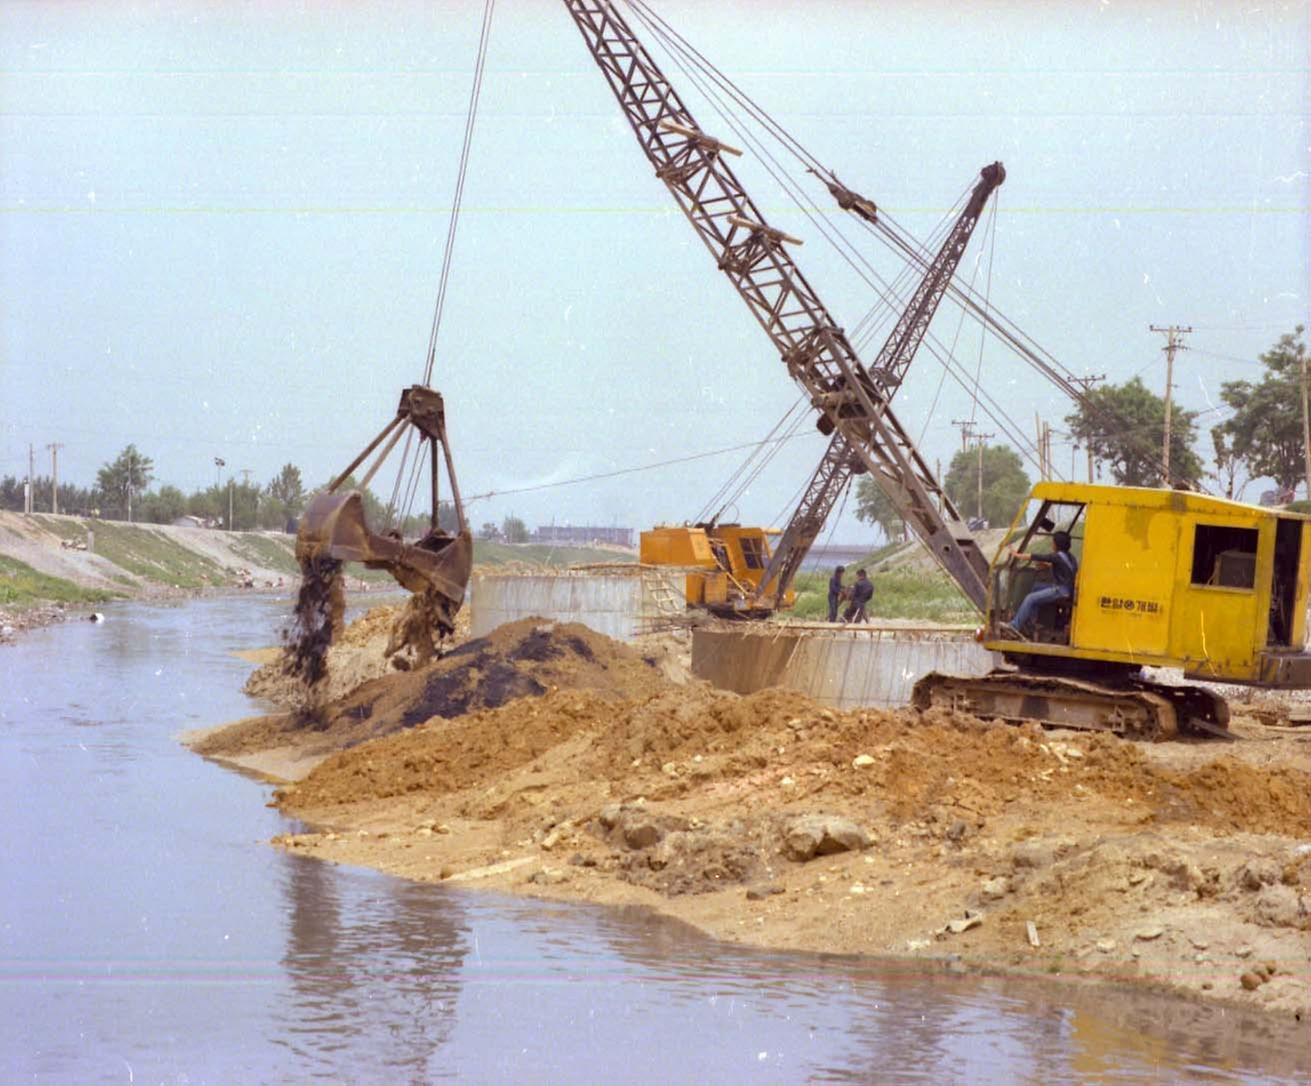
[{"x": 626, "y": 471}]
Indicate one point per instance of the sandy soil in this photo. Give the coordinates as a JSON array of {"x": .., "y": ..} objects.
[{"x": 549, "y": 760}]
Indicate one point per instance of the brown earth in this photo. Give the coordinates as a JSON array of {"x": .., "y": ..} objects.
[{"x": 546, "y": 759}]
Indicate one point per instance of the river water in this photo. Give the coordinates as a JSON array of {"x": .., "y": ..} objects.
[{"x": 148, "y": 934}]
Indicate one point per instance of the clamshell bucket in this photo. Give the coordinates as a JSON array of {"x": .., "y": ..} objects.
[{"x": 333, "y": 531}]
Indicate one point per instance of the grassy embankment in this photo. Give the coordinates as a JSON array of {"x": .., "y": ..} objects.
[
  {"x": 143, "y": 552},
  {"x": 21, "y": 586},
  {"x": 899, "y": 592}
]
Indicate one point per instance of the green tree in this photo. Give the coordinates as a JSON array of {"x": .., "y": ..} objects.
[
  {"x": 283, "y": 498},
  {"x": 417, "y": 524},
  {"x": 245, "y": 506},
  {"x": 214, "y": 503},
  {"x": 163, "y": 506},
  {"x": 1125, "y": 424},
  {"x": 1265, "y": 430},
  {"x": 210, "y": 503},
  {"x": 514, "y": 530},
  {"x": 874, "y": 507},
  {"x": 123, "y": 479},
  {"x": 72, "y": 498},
  {"x": 489, "y": 531},
  {"x": 1005, "y": 483},
  {"x": 11, "y": 493},
  {"x": 1227, "y": 465}
]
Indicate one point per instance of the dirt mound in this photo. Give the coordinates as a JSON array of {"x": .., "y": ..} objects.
[
  {"x": 524, "y": 659},
  {"x": 445, "y": 756},
  {"x": 766, "y": 751}
]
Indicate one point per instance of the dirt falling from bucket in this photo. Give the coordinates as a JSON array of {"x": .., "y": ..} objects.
[{"x": 320, "y": 606}]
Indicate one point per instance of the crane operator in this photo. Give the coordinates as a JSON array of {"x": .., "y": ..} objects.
[{"x": 1065, "y": 567}]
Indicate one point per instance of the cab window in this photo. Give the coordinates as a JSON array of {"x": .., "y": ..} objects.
[
  {"x": 1054, "y": 517},
  {"x": 1224, "y": 557}
]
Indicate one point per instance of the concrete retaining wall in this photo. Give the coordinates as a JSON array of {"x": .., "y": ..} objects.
[
  {"x": 610, "y": 603},
  {"x": 842, "y": 667}
]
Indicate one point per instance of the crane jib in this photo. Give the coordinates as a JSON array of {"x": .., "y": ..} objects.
[{"x": 753, "y": 256}]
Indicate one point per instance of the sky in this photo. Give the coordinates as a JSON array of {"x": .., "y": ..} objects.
[{"x": 221, "y": 231}]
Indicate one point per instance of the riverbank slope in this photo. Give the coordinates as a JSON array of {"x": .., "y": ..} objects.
[{"x": 51, "y": 565}]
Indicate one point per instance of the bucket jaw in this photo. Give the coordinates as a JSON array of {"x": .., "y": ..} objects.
[{"x": 438, "y": 565}]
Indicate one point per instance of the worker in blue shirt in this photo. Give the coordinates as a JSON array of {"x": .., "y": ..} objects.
[
  {"x": 836, "y": 589},
  {"x": 1065, "y": 568},
  {"x": 862, "y": 591}
]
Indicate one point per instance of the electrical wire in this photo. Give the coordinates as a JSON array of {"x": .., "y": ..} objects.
[
  {"x": 620, "y": 471},
  {"x": 901, "y": 241}
]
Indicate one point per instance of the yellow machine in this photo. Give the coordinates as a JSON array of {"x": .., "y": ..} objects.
[
  {"x": 1167, "y": 579},
  {"x": 724, "y": 562}
]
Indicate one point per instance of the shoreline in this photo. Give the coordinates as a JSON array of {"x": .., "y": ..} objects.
[
  {"x": 537, "y": 833},
  {"x": 498, "y": 877}
]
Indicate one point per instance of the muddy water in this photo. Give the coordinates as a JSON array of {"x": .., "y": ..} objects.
[{"x": 147, "y": 934}]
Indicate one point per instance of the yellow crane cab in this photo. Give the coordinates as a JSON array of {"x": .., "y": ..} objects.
[
  {"x": 723, "y": 563},
  {"x": 1165, "y": 578}
]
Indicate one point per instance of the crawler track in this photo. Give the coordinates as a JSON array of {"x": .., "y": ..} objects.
[{"x": 1132, "y": 708}]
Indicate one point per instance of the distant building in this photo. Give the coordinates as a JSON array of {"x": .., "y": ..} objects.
[{"x": 583, "y": 534}]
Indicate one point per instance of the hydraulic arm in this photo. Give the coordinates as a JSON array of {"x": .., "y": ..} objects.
[
  {"x": 888, "y": 370},
  {"x": 753, "y": 256}
]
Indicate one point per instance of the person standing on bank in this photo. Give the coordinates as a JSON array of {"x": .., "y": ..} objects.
[
  {"x": 835, "y": 592},
  {"x": 862, "y": 591},
  {"x": 1065, "y": 568}
]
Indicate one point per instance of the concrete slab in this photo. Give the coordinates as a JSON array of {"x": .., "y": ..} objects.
[
  {"x": 616, "y": 601},
  {"x": 845, "y": 667}
]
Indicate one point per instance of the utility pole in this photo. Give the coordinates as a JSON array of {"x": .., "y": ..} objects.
[
  {"x": 54, "y": 448},
  {"x": 966, "y": 432},
  {"x": 982, "y": 440},
  {"x": 1086, "y": 383},
  {"x": 229, "y": 503},
  {"x": 246, "y": 473},
  {"x": 1306, "y": 430},
  {"x": 1173, "y": 342},
  {"x": 218, "y": 470}
]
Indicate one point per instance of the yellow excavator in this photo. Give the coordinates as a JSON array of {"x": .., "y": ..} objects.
[
  {"x": 724, "y": 566},
  {"x": 1165, "y": 579}
]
